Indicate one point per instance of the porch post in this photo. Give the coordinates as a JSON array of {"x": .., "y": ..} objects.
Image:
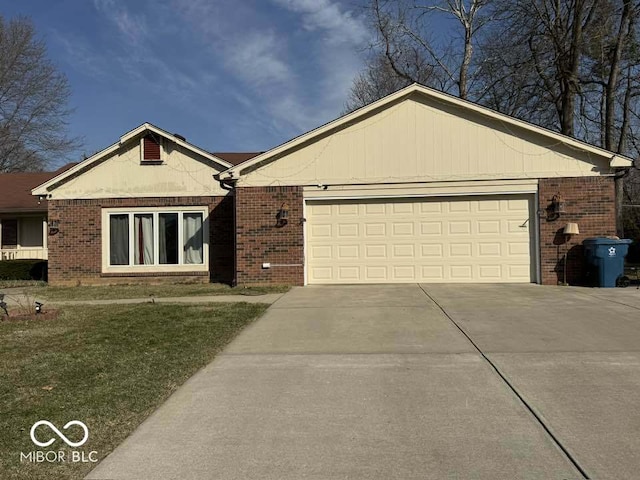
[{"x": 45, "y": 231}]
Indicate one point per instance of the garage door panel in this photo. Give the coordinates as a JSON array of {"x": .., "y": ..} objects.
[
  {"x": 320, "y": 230},
  {"x": 457, "y": 239},
  {"x": 317, "y": 252},
  {"x": 405, "y": 273},
  {"x": 374, "y": 209},
  {"x": 489, "y": 249},
  {"x": 348, "y": 210},
  {"x": 348, "y": 252},
  {"x": 490, "y": 272},
  {"x": 431, "y": 228},
  {"x": 404, "y": 251},
  {"x": 433, "y": 273},
  {"x": 375, "y": 251},
  {"x": 375, "y": 229},
  {"x": 430, "y": 207},
  {"x": 488, "y": 206},
  {"x": 518, "y": 248},
  {"x": 459, "y": 227},
  {"x": 461, "y": 272},
  {"x": 431, "y": 250},
  {"x": 321, "y": 274},
  {"x": 459, "y": 206},
  {"x": 460, "y": 249},
  {"x": 376, "y": 273},
  {"x": 488, "y": 227},
  {"x": 347, "y": 230},
  {"x": 402, "y": 229}
]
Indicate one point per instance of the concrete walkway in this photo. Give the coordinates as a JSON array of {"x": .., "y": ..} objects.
[
  {"x": 19, "y": 299},
  {"x": 404, "y": 382}
]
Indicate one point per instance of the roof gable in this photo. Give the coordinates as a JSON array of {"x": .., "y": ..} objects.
[
  {"x": 126, "y": 144},
  {"x": 385, "y": 127}
]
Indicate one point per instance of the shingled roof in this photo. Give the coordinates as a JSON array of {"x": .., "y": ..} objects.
[
  {"x": 15, "y": 190},
  {"x": 235, "y": 158}
]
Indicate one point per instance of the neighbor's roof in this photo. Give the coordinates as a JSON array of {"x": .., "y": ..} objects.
[
  {"x": 615, "y": 160},
  {"x": 15, "y": 190},
  {"x": 235, "y": 158},
  {"x": 80, "y": 168}
]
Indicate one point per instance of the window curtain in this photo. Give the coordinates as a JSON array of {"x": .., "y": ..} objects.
[
  {"x": 119, "y": 239},
  {"x": 143, "y": 235},
  {"x": 168, "y": 238},
  {"x": 193, "y": 238}
]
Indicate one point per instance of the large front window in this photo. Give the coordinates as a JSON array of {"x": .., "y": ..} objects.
[{"x": 160, "y": 238}]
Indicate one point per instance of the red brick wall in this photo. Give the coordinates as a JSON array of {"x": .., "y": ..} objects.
[
  {"x": 259, "y": 239},
  {"x": 75, "y": 252},
  {"x": 590, "y": 202}
]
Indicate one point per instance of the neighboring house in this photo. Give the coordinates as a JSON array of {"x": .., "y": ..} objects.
[
  {"x": 23, "y": 217},
  {"x": 417, "y": 187}
]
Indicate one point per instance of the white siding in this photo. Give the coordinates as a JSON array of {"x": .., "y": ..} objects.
[
  {"x": 183, "y": 173},
  {"x": 422, "y": 140}
]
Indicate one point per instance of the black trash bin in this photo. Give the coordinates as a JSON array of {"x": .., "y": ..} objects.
[{"x": 605, "y": 258}]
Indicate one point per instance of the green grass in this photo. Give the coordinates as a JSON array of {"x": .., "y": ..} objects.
[
  {"x": 144, "y": 291},
  {"x": 108, "y": 367}
]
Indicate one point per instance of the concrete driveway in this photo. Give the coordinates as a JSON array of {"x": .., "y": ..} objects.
[{"x": 410, "y": 381}]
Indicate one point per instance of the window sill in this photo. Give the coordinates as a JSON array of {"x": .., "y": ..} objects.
[{"x": 159, "y": 273}]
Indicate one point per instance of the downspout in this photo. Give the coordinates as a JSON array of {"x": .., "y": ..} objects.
[
  {"x": 229, "y": 184},
  {"x": 618, "y": 179}
]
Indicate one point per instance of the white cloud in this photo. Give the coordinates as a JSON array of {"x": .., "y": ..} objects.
[
  {"x": 131, "y": 54},
  {"x": 297, "y": 73},
  {"x": 286, "y": 65},
  {"x": 341, "y": 26},
  {"x": 342, "y": 36},
  {"x": 255, "y": 58}
]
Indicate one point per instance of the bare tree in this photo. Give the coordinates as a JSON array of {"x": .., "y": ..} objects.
[
  {"x": 405, "y": 52},
  {"x": 33, "y": 101},
  {"x": 377, "y": 81}
]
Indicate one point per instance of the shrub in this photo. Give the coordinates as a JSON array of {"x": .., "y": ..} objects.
[{"x": 23, "y": 270}]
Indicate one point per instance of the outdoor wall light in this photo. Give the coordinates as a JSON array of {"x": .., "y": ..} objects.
[
  {"x": 558, "y": 204},
  {"x": 54, "y": 227},
  {"x": 282, "y": 217}
]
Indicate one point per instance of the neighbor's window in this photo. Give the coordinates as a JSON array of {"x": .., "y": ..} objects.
[{"x": 156, "y": 238}]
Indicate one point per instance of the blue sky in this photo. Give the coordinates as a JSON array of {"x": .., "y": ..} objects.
[{"x": 230, "y": 75}]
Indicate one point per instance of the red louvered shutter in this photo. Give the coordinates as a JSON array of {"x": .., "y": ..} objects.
[{"x": 151, "y": 147}]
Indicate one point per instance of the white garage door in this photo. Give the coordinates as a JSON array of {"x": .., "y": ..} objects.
[{"x": 454, "y": 239}]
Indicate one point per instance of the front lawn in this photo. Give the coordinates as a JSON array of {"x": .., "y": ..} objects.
[
  {"x": 106, "y": 366},
  {"x": 144, "y": 291}
]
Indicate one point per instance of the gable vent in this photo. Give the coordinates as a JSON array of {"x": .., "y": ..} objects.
[{"x": 151, "y": 149}]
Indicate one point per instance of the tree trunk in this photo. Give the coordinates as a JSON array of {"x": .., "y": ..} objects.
[{"x": 614, "y": 73}]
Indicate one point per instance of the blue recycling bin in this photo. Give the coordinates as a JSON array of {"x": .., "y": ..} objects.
[{"x": 605, "y": 257}]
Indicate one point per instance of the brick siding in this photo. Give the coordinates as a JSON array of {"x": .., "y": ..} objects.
[
  {"x": 260, "y": 240},
  {"x": 590, "y": 202},
  {"x": 75, "y": 252}
]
